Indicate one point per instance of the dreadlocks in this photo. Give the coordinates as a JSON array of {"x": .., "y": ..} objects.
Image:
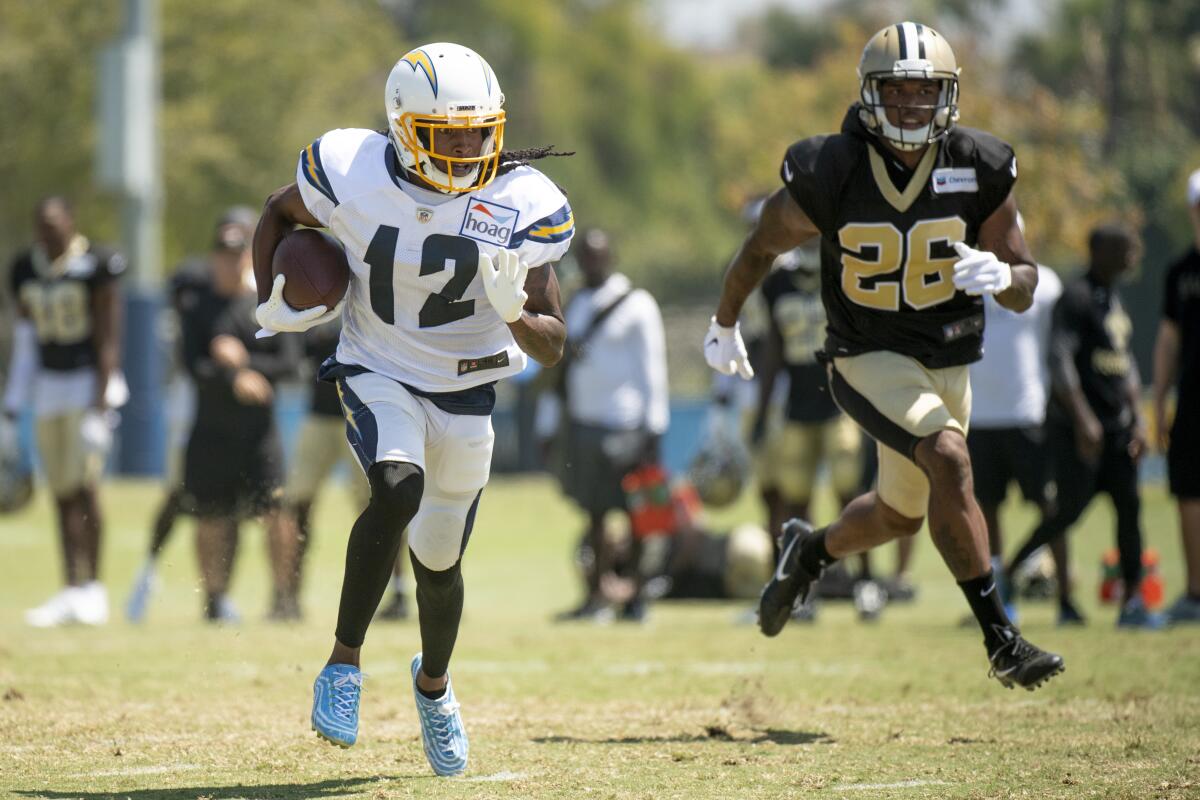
[{"x": 511, "y": 159}]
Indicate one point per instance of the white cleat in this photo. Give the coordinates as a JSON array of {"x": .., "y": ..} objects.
[
  {"x": 91, "y": 604},
  {"x": 58, "y": 610}
]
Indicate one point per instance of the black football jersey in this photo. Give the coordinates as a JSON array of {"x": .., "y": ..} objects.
[
  {"x": 1091, "y": 324},
  {"x": 793, "y": 299},
  {"x": 886, "y": 237},
  {"x": 58, "y": 299}
]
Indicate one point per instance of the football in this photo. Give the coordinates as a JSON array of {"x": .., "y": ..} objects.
[{"x": 315, "y": 267}]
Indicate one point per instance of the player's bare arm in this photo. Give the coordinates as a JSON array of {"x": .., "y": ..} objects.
[
  {"x": 106, "y": 316},
  {"x": 1166, "y": 363},
  {"x": 782, "y": 226},
  {"x": 1001, "y": 235},
  {"x": 283, "y": 211},
  {"x": 540, "y": 330}
]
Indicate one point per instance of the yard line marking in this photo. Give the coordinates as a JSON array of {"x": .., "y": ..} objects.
[
  {"x": 859, "y": 787},
  {"x": 499, "y": 776},
  {"x": 127, "y": 771}
]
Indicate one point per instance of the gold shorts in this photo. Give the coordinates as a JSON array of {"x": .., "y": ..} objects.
[
  {"x": 899, "y": 402},
  {"x": 69, "y": 462},
  {"x": 792, "y": 456},
  {"x": 321, "y": 446}
]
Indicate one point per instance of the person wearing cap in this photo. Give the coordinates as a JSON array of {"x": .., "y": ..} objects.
[
  {"x": 190, "y": 288},
  {"x": 65, "y": 368},
  {"x": 1177, "y": 360},
  {"x": 233, "y": 461}
]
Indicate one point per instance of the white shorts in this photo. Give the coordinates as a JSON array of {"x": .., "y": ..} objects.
[{"x": 386, "y": 422}]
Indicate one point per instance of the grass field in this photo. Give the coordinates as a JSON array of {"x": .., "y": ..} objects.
[{"x": 687, "y": 706}]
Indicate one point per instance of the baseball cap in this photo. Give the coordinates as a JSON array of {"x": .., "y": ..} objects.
[
  {"x": 235, "y": 228},
  {"x": 1193, "y": 189}
]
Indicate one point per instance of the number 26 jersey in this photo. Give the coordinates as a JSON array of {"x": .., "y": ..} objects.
[
  {"x": 886, "y": 237},
  {"x": 416, "y": 310}
]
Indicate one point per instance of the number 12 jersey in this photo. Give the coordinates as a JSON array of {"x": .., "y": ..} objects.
[{"x": 416, "y": 310}]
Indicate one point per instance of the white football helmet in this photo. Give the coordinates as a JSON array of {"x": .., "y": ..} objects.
[
  {"x": 906, "y": 51},
  {"x": 439, "y": 86}
]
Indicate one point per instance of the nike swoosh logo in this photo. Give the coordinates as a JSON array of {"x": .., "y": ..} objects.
[
  {"x": 780, "y": 575},
  {"x": 787, "y": 171},
  {"x": 710, "y": 341},
  {"x": 988, "y": 590}
]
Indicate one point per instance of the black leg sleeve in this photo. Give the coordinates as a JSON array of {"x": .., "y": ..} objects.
[
  {"x": 439, "y": 607},
  {"x": 396, "y": 490}
]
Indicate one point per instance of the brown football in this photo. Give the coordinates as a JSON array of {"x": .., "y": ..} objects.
[{"x": 315, "y": 267}]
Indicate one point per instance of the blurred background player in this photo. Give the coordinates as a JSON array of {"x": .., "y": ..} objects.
[
  {"x": 233, "y": 467},
  {"x": 901, "y": 191},
  {"x": 1177, "y": 360},
  {"x": 615, "y": 400},
  {"x": 1008, "y": 409},
  {"x": 191, "y": 287},
  {"x": 1094, "y": 428},
  {"x": 66, "y": 352}
]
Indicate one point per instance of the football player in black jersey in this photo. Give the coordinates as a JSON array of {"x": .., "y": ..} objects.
[
  {"x": 917, "y": 221},
  {"x": 66, "y": 352}
]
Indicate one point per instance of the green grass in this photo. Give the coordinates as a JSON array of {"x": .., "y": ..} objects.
[{"x": 687, "y": 706}]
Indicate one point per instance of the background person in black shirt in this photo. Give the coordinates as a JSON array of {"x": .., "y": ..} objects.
[
  {"x": 1177, "y": 355},
  {"x": 1094, "y": 429},
  {"x": 233, "y": 467},
  {"x": 190, "y": 285}
]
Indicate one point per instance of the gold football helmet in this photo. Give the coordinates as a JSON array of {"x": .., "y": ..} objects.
[{"x": 908, "y": 51}]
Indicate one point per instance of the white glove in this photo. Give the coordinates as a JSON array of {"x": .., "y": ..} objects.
[
  {"x": 979, "y": 272},
  {"x": 505, "y": 283},
  {"x": 96, "y": 430},
  {"x": 725, "y": 351},
  {"x": 276, "y": 316}
]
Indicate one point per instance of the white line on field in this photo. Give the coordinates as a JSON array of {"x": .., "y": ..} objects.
[
  {"x": 117, "y": 773},
  {"x": 499, "y": 776},
  {"x": 859, "y": 787}
]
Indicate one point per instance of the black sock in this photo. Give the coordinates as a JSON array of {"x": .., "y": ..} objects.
[
  {"x": 813, "y": 555},
  {"x": 984, "y": 599},
  {"x": 435, "y": 694}
]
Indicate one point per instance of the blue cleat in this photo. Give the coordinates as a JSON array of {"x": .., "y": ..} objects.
[
  {"x": 335, "y": 704},
  {"x": 442, "y": 731},
  {"x": 139, "y": 598}
]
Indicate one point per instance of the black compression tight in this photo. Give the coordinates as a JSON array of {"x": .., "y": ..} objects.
[
  {"x": 396, "y": 490},
  {"x": 439, "y": 607}
]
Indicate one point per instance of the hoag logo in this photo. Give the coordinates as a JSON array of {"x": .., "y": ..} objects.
[{"x": 489, "y": 222}]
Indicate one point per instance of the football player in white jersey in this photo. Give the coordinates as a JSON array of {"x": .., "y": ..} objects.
[{"x": 450, "y": 242}]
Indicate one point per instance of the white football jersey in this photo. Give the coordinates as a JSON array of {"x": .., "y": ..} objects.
[{"x": 416, "y": 310}]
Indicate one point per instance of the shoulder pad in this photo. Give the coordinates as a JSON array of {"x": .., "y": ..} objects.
[
  {"x": 814, "y": 169},
  {"x": 328, "y": 163},
  {"x": 987, "y": 151}
]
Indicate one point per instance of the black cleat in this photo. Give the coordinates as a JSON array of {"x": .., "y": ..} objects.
[
  {"x": 791, "y": 583},
  {"x": 1019, "y": 663}
]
